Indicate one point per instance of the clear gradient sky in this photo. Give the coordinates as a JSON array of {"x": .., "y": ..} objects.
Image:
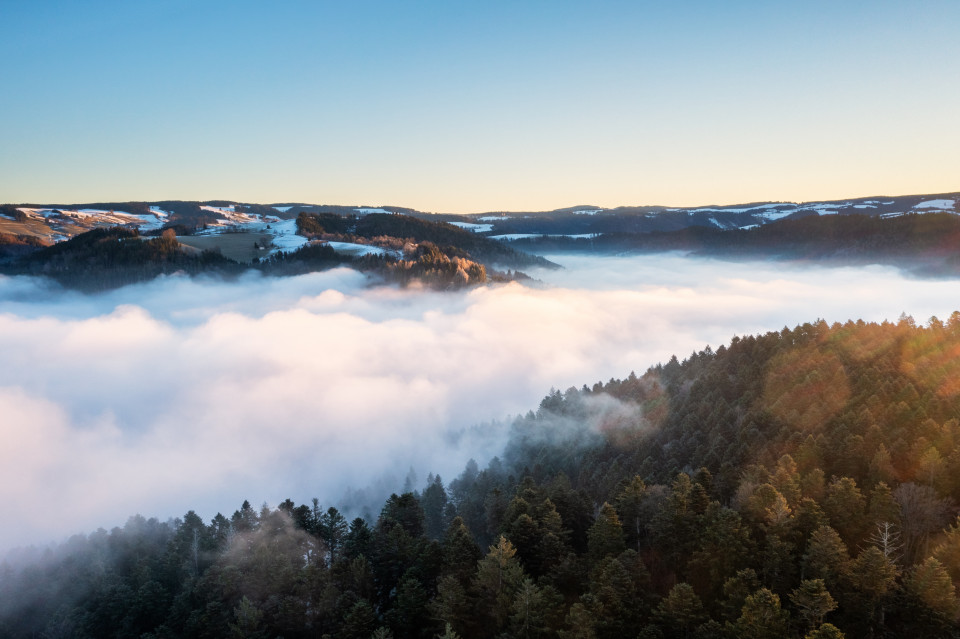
[{"x": 468, "y": 106}]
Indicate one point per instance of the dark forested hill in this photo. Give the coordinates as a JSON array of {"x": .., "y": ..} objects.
[
  {"x": 400, "y": 229},
  {"x": 928, "y": 242},
  {"x": 802, "y": 483},
  {"x": 111, "y": 257}
]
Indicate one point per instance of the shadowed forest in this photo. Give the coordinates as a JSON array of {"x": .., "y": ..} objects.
[
  {"x": 923, "y": 244},
  {"x": 801, "y": 483}
]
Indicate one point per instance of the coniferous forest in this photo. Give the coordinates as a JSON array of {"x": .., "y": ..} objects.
[{"x": 801, "y": 483}]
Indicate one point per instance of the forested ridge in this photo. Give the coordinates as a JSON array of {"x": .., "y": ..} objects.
[
  {"x": 801, "y": 483},
  {"x": 110, "y": 257},
  {"x": 393, "y": 229},
  {"x": 928, "y": 241}
]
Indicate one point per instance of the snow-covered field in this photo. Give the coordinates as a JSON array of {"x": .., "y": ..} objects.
[
  {"x": 97, "y": 217},
  {"x": 944, "y": 205},
  {"x": 728, "y": 209},
  {"x": 476, "y": 228},
  {"x": 229, "y": 216},
  {"x": 285, "y": 236},
  {"x": 284, "y": 232}
]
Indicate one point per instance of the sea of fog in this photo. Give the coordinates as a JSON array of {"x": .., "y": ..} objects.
[{"x": 197, "y": 394}]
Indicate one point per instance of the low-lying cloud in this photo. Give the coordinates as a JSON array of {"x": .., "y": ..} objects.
[{"x": 197, "y": 394}]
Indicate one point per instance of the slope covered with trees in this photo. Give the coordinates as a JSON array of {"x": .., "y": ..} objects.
[
  {"x": 802, "y": 483},
  {"x": 111, "y": 257},
  {"x": 396, "y": 230},
  {"x": 927, "y": 242}
]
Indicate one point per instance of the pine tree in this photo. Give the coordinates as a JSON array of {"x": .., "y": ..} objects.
[
  {"x": 813, "y": 600},
  {"x": 605, "y": 537},
  {"x": 680, "y": 611},
  {"x": 874, "y": 575},
  {"x": 826, "y": 557},
  {"x": 762, "y": 617},
  {"x": 826, "y": 631},
  {"x": 931, "y": 584},
  {"x": 498, "y": 578}
]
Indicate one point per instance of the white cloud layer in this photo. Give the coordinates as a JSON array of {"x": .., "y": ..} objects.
[{"x": 196, "y": 394}]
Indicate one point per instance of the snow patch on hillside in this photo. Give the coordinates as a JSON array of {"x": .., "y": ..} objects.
[
  {"x": 229, "y": 216},
  {"x": 772, "y": 216},
  {"x": 476, "y": 228},
  {"x": 944, "y": 205},
  {"x": 285, "y": 236},
  {"x": 760, "y": 210},
  {"x": 98, "y": 217},
  {"x": 825, "y": 208}
]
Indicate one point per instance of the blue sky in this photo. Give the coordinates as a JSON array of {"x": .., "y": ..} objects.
[{"x": 475, "y": 106}]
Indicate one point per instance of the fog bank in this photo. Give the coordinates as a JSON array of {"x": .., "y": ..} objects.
[{"x": 197, "y": 394}]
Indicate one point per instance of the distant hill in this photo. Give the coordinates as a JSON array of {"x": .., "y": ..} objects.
[
  {"x": 918, "y": 231},
  {"x": 649, "y": 219},
  {"x": 398, "y": 248},
  {"x": 65, "y": 220},
  {"x": 925, "y": 244}
]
